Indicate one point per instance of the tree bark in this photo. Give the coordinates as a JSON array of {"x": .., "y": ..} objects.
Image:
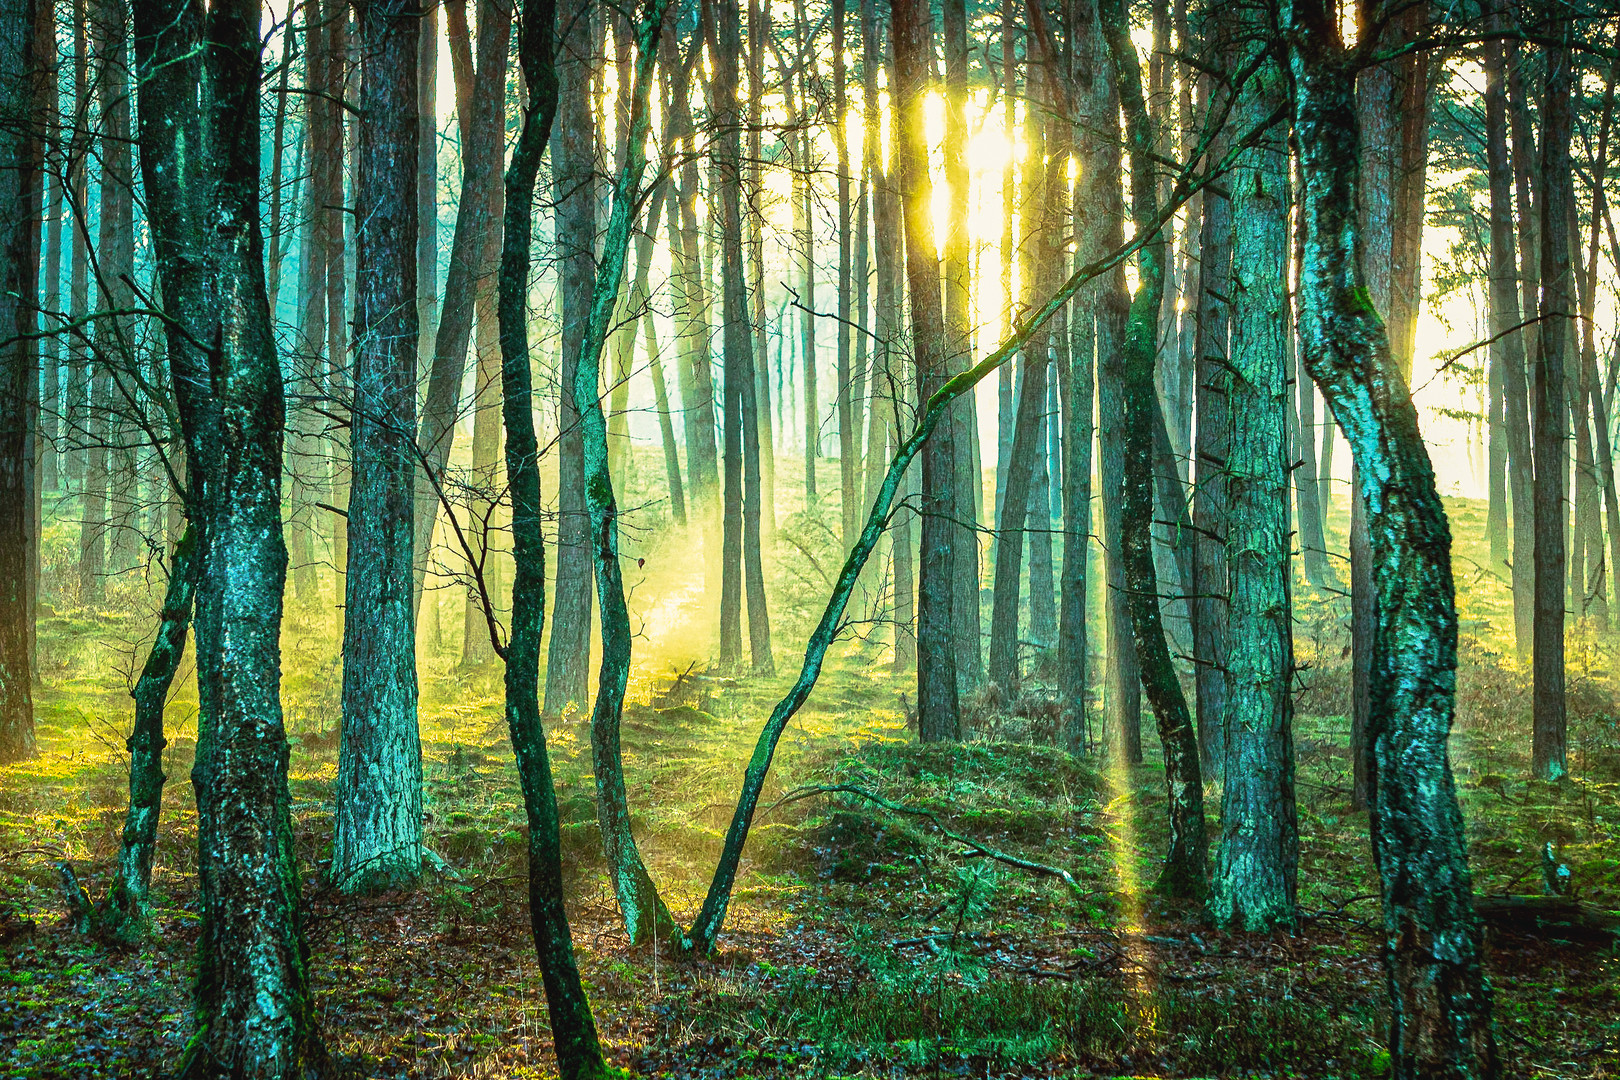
[
  {"x": 573, "y": 171},
  {"x": 579, "y": 1053},
  {"x": 959, "y": 320},
  {"x": 1509, "y": 351},
  {"x": 1257, "y": 866},
  {"x": 1549, "y": 407},
  {"x": 472, "y": 248},
  {"x": 1187, "y": 860},
  {"x": 938, "y": 710},
  {"x": 1212, "y": 449},
  {"x": 22, "y": 131},
  {"x": 1440, "y": 1002},
  {"x": 126, "y": 913},
  {"x": 377, "y": 835},
  {"x": 255, "y": 1016}
]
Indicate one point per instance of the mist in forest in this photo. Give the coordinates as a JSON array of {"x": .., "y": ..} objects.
[{"x": 696, "y": 539}]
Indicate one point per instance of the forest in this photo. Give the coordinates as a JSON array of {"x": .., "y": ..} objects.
[{"x": 720, "y": 539}]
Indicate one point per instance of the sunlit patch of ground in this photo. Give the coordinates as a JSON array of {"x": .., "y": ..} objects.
[{"x": 861, "y": 942}]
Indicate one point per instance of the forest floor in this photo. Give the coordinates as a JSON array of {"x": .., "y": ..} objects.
[{"x": 861, "y": 942}]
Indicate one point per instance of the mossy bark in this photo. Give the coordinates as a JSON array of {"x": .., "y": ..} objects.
[
  {"x": 1440, "y": 1022},
  {"x": 254, "y": 1013},
  {"x": 1257, "y": 865},
  {"x": 1186, "y": 862},
  {"x": 377, "y": 835},
  {"x": 579, "y": 1053},
  {"x": 643, "y": 911},
  {"x": 125, "y": 914}
]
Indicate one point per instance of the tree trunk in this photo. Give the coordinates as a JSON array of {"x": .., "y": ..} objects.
[
  {"x": 1440, "y": 1002},
  {"x": 1040, "y": 261},
  {"x": 377, "y": 836},
  {"x": 643, "y": 912},
  {"x": 1006, "y": 408},
  {"x": 848, "y": 484},
  {"x": 1548, "y": 417},
  {"x": 1257, "y": 867},
  {"x": 25, "y": 30},
  {"x": 1125, "y": 684},
  {"x": 573, "y": 168},
  {"x": 78, "y": 390},
  {"x": 126, "y": 913},
  {"x": 1210, "y": 592},
  {"x": 573, "y": 1031},
  {"x": 958, "y": 339},
  {"x": 760, "y": 403},
  {"x": 938, "y": 710},
  {"x": 1187, "y": 860},
  {"x": 254, "y": 1013},
  {"x": 51, "y": 402},
  {"x": 471, "y": 252}
]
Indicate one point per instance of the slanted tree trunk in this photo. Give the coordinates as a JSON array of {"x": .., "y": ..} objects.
[
  {"x": 573, "y": 168},
  {"x": 1593, "y": 386},
  {"x": 742, "y": 539},
  {"x": 254, "y": 1012},
  {"x": 1440, "y": 1003},
  {"x": 643, "y": 912},
  {"x": 641, "y": 303},
  {"x": 126, "y": 913},
  {"x": 22, "y": 132},
  {"x": 484, "y": 480},
  {"x": 117, "y": 348},
  {"x": 938, "y": 710},
  {"x": 690, "y": 297},
  {"x": 1187, "y": 859},
  {"x": 377, "y": 835},
  {"x": 1257, "y": 867},
  {"x": 573, "y": 1031},
  {"x": 1549, "y": 407},
  {"x": 471, "y": 248}
]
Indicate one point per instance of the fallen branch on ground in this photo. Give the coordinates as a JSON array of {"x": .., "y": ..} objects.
[{"x": 972, "y": 845}]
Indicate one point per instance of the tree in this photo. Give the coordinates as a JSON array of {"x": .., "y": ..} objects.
[
  {"x": 1257, "y": 865},
  {"x": 200, "y": 167},
  {"x": 1507, "y": 354},
  {"x": 643, "y": 912},
  {"x": 125, "y": 915},
  {"x": 579, "y": 1053},
  {"x": 573, "y": 170},
  {"x": 1549, "y": 405},
  {"x": 938, "y": 711},
  {"x": 21, "y": 173},
  {"x": 472, "y": 251},
  {"x": 377, "y": 838},
  {"x": 1440, "y": 1022},
  {"x": 1185, "y": 866},
  {"x": 1028, "y": 436}
]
